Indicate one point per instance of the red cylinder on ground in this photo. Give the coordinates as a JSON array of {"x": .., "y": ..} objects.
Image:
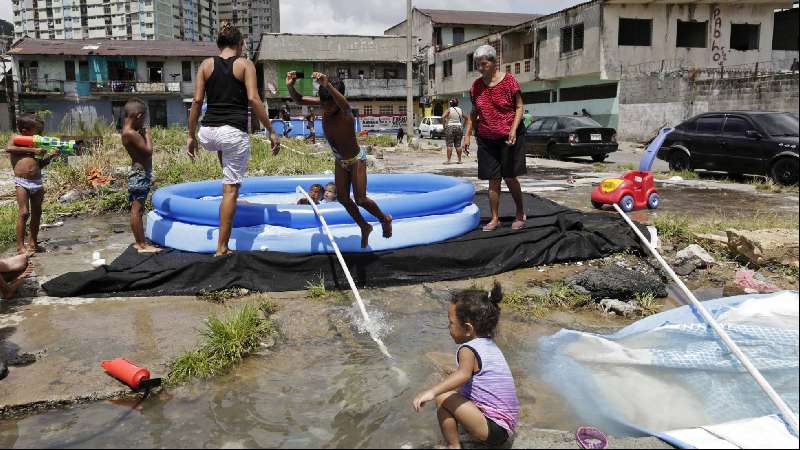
[
  {"x": 24, "y": 141},
  {"x": 125, "y": 371}
]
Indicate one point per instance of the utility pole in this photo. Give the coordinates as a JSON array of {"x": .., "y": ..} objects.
[{"x": 409, "y": 73}]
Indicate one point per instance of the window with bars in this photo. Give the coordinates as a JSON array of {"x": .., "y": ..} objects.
[
  {"x": 527, "y": 66},
  {"x": 448, "y": 68},
  {"x": 386, "y": 110},
  {"x": 470, "y": 63},
  {"x": 403, "y": 109},
  {"x": 572, "y": 38},
  {"x": 432, "y": 72},
  {"x": 508, "y": 69},
  {"x": 367, "y": 109},
  {"x": 517, "y": 68}
]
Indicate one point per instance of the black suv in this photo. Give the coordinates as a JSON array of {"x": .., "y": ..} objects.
[{"x": 737, "y": 142}]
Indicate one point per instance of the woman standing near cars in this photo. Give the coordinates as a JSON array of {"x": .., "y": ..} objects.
[
  {"x": 453, "y": 121},
  {"x": 496, "y": 115}
]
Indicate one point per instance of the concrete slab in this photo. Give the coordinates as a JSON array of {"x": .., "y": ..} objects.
[{"x": 72, "y": 337}]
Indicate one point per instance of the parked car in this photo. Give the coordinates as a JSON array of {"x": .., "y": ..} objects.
[
  {"x": 431, "y": 128},
  {"x": 557, "y": 137},
  {"x": 737, "y": 142}
]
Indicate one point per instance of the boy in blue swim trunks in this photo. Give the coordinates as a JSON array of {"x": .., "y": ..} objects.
[
  {"x": 137, "y": 141},
  {"x": 338, "y": 123}
]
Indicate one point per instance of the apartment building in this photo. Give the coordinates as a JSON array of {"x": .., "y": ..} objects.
[
  {"x": 373, "y": 69},
  {"x": 253, "y": 18},
  {"x": 81, "y": 81},
  {"x": 191, "y": 20},
  {"x": 574, "y": 59}
]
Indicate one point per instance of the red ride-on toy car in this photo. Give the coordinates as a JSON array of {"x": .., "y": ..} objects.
[{"x": 635, "y": 190}]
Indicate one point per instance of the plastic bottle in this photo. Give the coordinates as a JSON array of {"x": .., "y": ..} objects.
[{"x": 127, "y": 372}]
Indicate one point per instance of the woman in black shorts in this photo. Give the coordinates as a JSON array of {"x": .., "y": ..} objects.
[{"x": 497, "y": 115}]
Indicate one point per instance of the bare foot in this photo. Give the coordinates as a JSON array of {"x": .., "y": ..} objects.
[
  {"x": 365, "y": 231},
  {"x": 35, "y": 248},
  {"x": 28, "y": 271},
  {"x": 387, "y": 226},
  {"x": 23, "y": 251},
  {"x": 223, "y": 252},
  {"x": 146, "y": 248}
]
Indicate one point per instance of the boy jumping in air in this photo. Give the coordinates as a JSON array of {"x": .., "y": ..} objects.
[
  {"x": 338, "y": 124},
  {"x": 137, "y": 141},
  {"x": 28, "y": 163}
]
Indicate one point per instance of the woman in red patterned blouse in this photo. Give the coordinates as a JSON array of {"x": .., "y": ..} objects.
[{"x": 496, "y": 115}]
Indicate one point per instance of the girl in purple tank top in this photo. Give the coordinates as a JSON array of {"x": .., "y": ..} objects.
[{"x": 480, "y": 395}]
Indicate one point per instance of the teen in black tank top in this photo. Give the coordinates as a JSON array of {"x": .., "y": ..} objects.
[{"x": 226, "y": 97}]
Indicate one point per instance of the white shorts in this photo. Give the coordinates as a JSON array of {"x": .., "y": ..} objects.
[{"x": 234, "y": 144}]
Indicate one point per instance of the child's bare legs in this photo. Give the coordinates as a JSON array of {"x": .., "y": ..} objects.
[
  {"x": 343, "y": 180},
  {"x": 359, "y": 180},
  {"x": 454, "y": 409},
  {"x": 23, "y": 201},
  {"x": 227, "y": 211},
  {"x": 36, "y": 219},
  {"x": 137, "y": 226},
  {"x": 13, "y": 272}
]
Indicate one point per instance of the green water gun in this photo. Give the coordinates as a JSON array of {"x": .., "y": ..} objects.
[{"x": 47, "y": 143}]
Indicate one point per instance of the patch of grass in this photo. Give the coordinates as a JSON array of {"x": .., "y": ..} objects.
[
  {"x": 8, "y": 225},
  {"x": 790, "y": 272},
  {"x": 681, "y": 228},
  {"x": 648, "y": 302},
  {"x": 599, "y": 167},
  {"x": 767, "y": 185},
  {"x": 673, "y": 226},
  {"x": 559, "y": 296},
  {"x": 316, "y": 291},
  {"x": 223, "y": 295},
  {"x": 626, "y": 167},
  {"x": 226, "y": 341},
  {"x": 380, "y": 140}
]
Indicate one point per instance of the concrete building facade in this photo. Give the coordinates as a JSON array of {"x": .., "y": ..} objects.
[
  {"x": 81, "y": 82},
  {"x": 373, "y": 69},
  {"x": 191, "y": 20},
  {"x": 579, "y": 58},
  {"x": 253, "y": 18}
]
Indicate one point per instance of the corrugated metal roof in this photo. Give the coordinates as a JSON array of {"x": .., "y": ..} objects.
[
  {"x": 446, "y": 16},
  {"x": 110, "y": 47}
]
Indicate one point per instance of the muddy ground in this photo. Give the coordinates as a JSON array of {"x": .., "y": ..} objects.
[{"x": 69, "y": 336}]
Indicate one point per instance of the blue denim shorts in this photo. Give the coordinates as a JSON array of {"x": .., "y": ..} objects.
[{"x": 139, "y": 185}]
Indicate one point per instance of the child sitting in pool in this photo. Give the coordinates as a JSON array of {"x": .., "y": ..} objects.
[
  {"x": 330, "y": 194},
  {"x": 485, "y": 403},
  {"x": 315, "y": 191},
  {"x": 338, "y": 123}
]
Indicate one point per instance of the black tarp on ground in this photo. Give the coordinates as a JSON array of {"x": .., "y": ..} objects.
[{"x": 552, "y": 234}]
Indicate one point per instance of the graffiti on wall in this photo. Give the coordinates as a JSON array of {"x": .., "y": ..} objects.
[{"x": 719, "y": 54}]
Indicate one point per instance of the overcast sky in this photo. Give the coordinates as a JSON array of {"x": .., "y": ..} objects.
[{"x": 372, "y": 16}]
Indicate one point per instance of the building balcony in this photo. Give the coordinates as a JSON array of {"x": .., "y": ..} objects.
[
  {"x": 89, "y": 88},
  {"x": 377, "y": 88},
  {"x": 41, "y": 86}
]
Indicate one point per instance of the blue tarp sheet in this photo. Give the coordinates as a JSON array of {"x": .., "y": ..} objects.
[{"x": 671, "y": 371}]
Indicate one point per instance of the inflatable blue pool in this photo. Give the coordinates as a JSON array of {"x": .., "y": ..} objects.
[{"x": 426, "y": 209}]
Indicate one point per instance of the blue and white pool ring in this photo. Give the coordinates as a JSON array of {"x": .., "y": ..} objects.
[
  {"x": 408, "y": 232},
  {"x": 429, "y": 195}
]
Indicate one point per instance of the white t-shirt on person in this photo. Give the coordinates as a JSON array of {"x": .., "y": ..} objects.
[{"x": 456, "y": 118}]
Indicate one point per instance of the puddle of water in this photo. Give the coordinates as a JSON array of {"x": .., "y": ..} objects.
[{"x": 332, "y": 391}]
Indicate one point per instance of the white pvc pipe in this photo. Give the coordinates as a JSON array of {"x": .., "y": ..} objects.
[
  {"x": 367, "y": 320},
  {"x": 787, "y": 412}
]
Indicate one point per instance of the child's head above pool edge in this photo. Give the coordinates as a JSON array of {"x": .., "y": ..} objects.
[
  {"x": 474, "y": 313},
  {"x": 315, "y": 191},
  {"x": 330, "y": 192}
]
